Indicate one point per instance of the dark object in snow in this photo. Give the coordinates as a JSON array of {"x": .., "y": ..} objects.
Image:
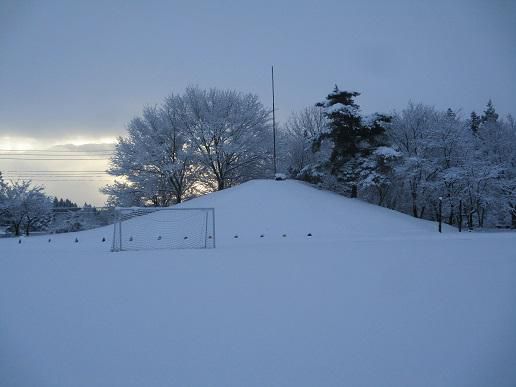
[
  {"x": 280, "y": 177},
  {"x": 76, "y": 240},
  {"x": 210, "y": 237},
  {"x": 284, "y": 235},
  {"x": 103, "y": 239},
  {"x": 19, "y": 241},
  {"x": 159, "y": 238},
  {"x": 309, "y": 234},
  {"x": 130, "y": 239},
  {"x": 261, "y": 236},
  {"x": 185, "y": 237},
  {"x": 49, "y": 240},
  {"x": 236, "y": 236}
]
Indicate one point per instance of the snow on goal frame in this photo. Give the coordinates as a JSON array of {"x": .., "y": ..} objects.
[{"x": 150, "y": 228}]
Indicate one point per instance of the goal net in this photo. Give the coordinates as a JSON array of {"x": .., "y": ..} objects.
[{"x": 146, "y": 228}]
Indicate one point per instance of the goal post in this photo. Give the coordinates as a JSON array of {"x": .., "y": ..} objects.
[{"x": 149, "y": 228}]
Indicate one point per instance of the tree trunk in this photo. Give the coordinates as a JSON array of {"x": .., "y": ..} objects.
[
  {"x": 480, "y": 215},
  {"x": 414, "y": 206},
  {"x": 452, "y": 214},
  {"x": 354, "y": 191},
  {"x": 470, "y": 220},
  {"x": 513, "y": 218},
  {"x": 220, "y": 184},
  {"x": 414, "y": 210}
]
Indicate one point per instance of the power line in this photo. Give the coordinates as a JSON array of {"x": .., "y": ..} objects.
[
  {"x": 65, "y": 151},
  {"x": 38, "y": 176},
  {"x": 59, "y": 173},
  {"x": 54, "y": 155},
  {"x": 46, "y": 159},
  {"x": 69, "y": 180},
  {"x": 52, "y": 171}
]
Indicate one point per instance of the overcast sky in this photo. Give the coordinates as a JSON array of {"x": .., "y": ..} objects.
[{"x": 79, "y": 71}]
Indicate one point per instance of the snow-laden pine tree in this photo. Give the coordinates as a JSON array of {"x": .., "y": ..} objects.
[
  {"x": 474, "y": 122},
  {"x": 354, "y": 139}
]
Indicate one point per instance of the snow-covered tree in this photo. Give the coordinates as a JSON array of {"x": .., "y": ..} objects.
[
  {"x": 412, "y": 133},
  {"x": 156, "y": 159},
  {"x": 301, "y": 131},
  {"x": 464, "y": 162},
  {"x": 230, "y": 132},
  {"x": 3, "y": 201},
  {"x": 201, "y": 140},
  {"x": 26, "y": 207},
  {"x": 121, "y": 194},
  {"x": 354, "y": 138},
  {"x": 377, "y": 176},
  {"x": 474, "y": 122}
]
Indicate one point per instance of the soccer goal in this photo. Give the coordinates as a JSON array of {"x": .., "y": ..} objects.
[{"x": 149, "y": 228}]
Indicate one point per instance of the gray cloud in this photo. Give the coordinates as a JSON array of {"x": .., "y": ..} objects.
[{"x": 87, "y": 68}]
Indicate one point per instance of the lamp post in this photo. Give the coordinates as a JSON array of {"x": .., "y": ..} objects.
[{"x": 440, "y": 213}]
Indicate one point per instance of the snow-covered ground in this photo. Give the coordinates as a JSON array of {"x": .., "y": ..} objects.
[{"x": 372, "y": 298}]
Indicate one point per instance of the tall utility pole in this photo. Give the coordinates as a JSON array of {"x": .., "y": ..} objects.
[{"x": 273, "y": 125}]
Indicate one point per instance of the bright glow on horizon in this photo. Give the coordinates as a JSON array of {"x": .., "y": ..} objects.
[
  {"x": 80, "y": 189},
  {"x": 78, "y": 141},
  {"x": 30, "y": 143},
  {"x": 17, "y": 143}
]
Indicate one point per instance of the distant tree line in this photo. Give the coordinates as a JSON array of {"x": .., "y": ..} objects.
[
  {"x": 409, "y": 160},
  {"x": 206, "y": 140},
  {"x": 25, "y": 208}
]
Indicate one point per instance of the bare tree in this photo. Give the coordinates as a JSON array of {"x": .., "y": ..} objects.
[{"x": 301, "y": 130}]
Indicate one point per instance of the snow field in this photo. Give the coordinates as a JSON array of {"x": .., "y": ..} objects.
[{"x": 373, "y": 298}]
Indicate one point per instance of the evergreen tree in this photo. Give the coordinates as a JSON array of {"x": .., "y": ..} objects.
[
  {"x": 354, "y": 137},
  {"x": 490, "y": 114},
  {"x": 474, "y": 122},
  {"x": 66, "y": 203},
  {"x": 3, "y": 199}
]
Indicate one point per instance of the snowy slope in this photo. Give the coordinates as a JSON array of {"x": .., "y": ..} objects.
[
  {"x": 260, "y": 207},
  {"x": 274, "y": 208},
  {"x": 373, "y": 298}
]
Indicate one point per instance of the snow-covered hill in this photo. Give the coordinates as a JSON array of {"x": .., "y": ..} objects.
[
  {"x": 274, "y": 208},
  {"x": 373, "y": 298}
]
